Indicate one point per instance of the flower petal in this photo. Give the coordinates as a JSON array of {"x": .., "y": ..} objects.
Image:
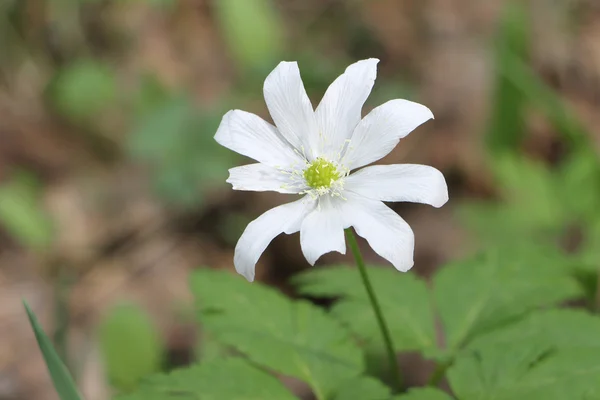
[
  {"x": 251, "y": 136},
  {"x": 388, "y": 234},
  {"x": 260, "y": 232},
  {"x": 403, "y": 182},
  {"x": 322, "y": 230},
  {"x": 260, "y": 177},
  {"x": 381, "y": 130},
  {"x": 290, "y": 106},
  {"x": 340, "y": 110}
]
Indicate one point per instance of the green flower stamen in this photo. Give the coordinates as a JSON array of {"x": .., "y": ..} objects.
[{"x": 320, "y": 174}]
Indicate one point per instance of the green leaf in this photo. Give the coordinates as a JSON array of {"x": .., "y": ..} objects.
[
  {"x": 527, "y": 371},
  {"x": 404, "y": 300},
  {"x": 552, "y": 354},
  {"x": 130, "y": 346},
  {"x": 579, "y": 181},
  {"x": 560, "y": 329},
  {"x": 472, "y": 296},
  {"x": 424, "y": 394},
  {"x": 253, "y": 32},
  {"x": 22, "y": 215},
  {"x": 295, "y": 338},
  {"x": 533, "y": 203},
  {"x": 532, "y": 192},
  {"x": 231, "y": 379},
  {"x": 63, "y": 383},
  {"x": 363, "y": 388},
  {"x": 84, "y": 88},
  {"x": 488, "y": 291},
  {"x": 491, "y": 223},
  {"x": 507, "y": 126}
]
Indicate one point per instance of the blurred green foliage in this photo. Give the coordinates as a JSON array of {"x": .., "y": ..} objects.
[
  {"x": 506, "y": 127},
  {"x": 130, "y": 345},
  {"x": 551, "y": 206},
  {"x": 253, "y": 32},
  {"x": 22, "y": 214},
  {"x": 177, "y": 140},
  {"x": 84, "y": 89},
  {"x": 543, "y": 205}
]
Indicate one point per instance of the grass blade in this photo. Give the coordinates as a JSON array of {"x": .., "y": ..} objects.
[
  {"x": 541, "y": 96},
  {"x": 506, "y": 127},
  {"x": 63, "y": 383}
]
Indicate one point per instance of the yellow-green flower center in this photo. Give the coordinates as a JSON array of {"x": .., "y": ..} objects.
[{"x": 321, "y": 174}]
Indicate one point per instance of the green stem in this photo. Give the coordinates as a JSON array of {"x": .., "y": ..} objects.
[
  {"x": 597, "y": 296},
  {"x": 385, "y": 332},
  {"x": 438, "y": 374}
]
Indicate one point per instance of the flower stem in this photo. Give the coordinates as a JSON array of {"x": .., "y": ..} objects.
[
  {"x": 385, "y": 332},
  {"x": 597, "y": 297}
]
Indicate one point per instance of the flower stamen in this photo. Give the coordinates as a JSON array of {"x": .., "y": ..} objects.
[
  {"x": 321, "y": 174},
  {"x": 323, "y": 177}
]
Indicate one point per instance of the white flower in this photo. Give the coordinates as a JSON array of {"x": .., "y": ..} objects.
[{"x": 311, "y": 153}]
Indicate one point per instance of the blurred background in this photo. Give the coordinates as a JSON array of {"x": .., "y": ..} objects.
[{"x": 112, "y": 188}]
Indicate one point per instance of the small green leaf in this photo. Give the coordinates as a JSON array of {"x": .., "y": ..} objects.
[
  {"x": 424, "y": 394},
  {"x": 151, "y": 95},
  {"x": 84, "y": 88},
  {"x": 527, "y": 371},
  {"x": 230, "y": 379},
  {"x": 63, "y": 383},
  {"x": 177, "y": 140},
  {"x": 22, "y": 214},
  {"x": 253, "y": 32},
  {"x": 490, "y": 290},
  {"x": 363, "y": 388},
  {"x": 295, "y": 338},
  {"x": 404, "y": 301},
  {"x": 130, "y": 345}
]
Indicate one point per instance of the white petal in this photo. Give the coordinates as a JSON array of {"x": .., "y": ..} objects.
[
  {"x": 251, "y": 136},
  {"x": 340, "y": 110},
  {"x": 260, "y": 232},
  {"x": 261, "y": 177},
  {"x": 387, "y": 233},
  {"x": 290, "y": 106},
  {"x": 322, "y": 230},
  {"x": 404, "y": 182},
  {"x": 381, "y": 130}
]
